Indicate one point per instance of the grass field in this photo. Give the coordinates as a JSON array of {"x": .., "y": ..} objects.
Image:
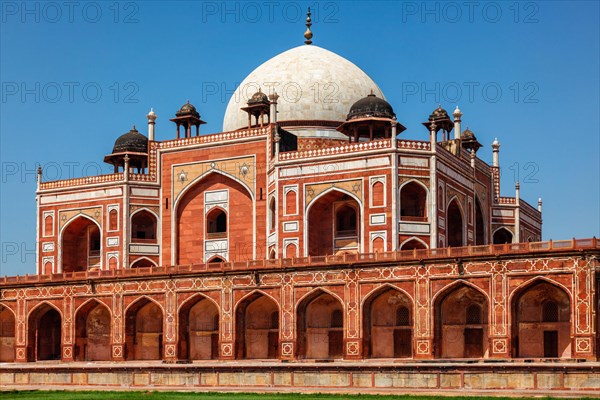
[{"x": 62, "y": 395}]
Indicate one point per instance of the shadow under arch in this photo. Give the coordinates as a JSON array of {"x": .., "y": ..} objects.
[
  {"x": 539, "y": 331},
  {"x": 461, "y": 314},
  {"x": 388, "y": 323},
  {"x": 199, "y": 323},
  {"x": 44, "y": 325},
  {"x": 257, "y": 327},
  {"x": 8, "y": 320},
  {"x": 320, "y": 326},
  {"x": 144, "y": 330},
  {"x": 93, "y": 323}
]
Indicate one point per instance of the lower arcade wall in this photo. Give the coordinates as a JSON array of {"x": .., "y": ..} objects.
[
  {"x": 302, "y": 377},
  {"x": 539, "y": 306}
]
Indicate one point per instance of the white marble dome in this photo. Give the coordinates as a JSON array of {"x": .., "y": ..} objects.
[{"x": 312, "y": 84}]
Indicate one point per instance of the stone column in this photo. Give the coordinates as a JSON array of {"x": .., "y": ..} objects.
[
  {"x": 352, "y": 333},
  {"x": 582, "y": 339},
  {"x": 498, "y": 328},
  {"x": 227, "y": 332},
  {"x": 68, "y": 329},
  {"x": 118, "y": 325},
  {"x": 423, "y": 329},
  {"x": 287, "y": 333}
]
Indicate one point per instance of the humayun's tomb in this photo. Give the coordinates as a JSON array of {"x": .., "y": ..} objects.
[{"x": 307, "y": 245}]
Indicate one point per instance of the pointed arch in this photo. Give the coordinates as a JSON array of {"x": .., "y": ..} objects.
[
  {"x": 323, "y": 225},
  {"x": 189, "y": 233},
  {"x": 199, "y": 327},
  {"x": 44, "y": 324},
  {"x": 93, "y": 323},
  {"x": 414, "y": 201},
  {"x": 8, "y": 319},
  {"x": 144, "y": 225},
  {"x": 413, "y": 246},
  {"x": 384, "y": 334},
  {"x": 456, "y": 335},
  {"x": 455, "y": 223},
  {"x": 80, "y": 253},
  {"x": 502, "y": 235},
  {"x": 481, "y": 227},
  {"x": 533, "y": 335},
  {"x": 143, "y": 262},
  {"x": 257, "y": 326},
  {"x": 144, "y": 329},
  {"x": 318, "y": 326}
]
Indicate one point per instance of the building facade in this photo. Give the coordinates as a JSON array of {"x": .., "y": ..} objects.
[{"x": 307, "y": 229}]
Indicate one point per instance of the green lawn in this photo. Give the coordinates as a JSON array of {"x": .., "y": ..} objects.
[{"x": 66, "y": 395}]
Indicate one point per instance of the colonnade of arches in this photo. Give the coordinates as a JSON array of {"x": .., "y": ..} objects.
[{"x": 540, "y": 314}]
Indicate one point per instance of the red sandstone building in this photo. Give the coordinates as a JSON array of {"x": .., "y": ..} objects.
[{"x": 308, "y": 230}]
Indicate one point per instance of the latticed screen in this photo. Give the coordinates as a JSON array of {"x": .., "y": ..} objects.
[
  {"x": 473, "y": 314},
  {"x": 550, "y": 312},
  {"x": 402, "y": 316}
]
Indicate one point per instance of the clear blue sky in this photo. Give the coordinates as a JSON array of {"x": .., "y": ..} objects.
[{"x": 76, "y": 77}]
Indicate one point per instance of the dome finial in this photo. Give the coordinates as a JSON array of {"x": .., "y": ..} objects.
[{"x": 308, "y": 34}]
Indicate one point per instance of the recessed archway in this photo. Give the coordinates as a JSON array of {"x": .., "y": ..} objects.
[
  {"x": 144, "y": 331},
  {"x": 454, "y": 225},
  {"x": 81, "y": 242},
  {"x": 480, "y": 237},
  {"x": 320, "y": 326},
  {"x": 44, "y": 333},
  {"x": 541, "y": 321},
  {"x": 92, "y": 332},
  {"x": 413, "y": 202},
  {"x": 461, "y": 323},
  {"x": 503, "y": 236},
  {"x": 199, "y": 329},
  {"x": 257, "y": 327},
  {"x": 333, "y": 224},
  {"x": 413, "y": 244},
  {"x": 193, "y": 216},
  {"x": 7, "y": 334},
  {"x": 143, "y": 227},
  {"x": 387, "y": 324}
]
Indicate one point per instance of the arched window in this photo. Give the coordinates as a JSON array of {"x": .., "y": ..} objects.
[
  {"x": 402, "y": 316},
  {"x": 473, "y": 314},
  {"x": 550, "y": 312},
  {"x": 143, "y": 227},
  {"x": 290, "y": 203},
  {"x": 413, "y": 202},
  {"x": 345, "y": 221},
  {"x": 337, "y": 319},
  {"x": 48, "y": 225},
  {"x": 216, "y": 224},
  {"x": 377, "y": 193},
  {"x": 113, "y": 220},
  {"x": 216, "y": 260}
]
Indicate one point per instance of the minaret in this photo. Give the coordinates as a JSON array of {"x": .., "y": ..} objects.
[
  {"x": 517, "y": 236},
  {"x": 457, "y": 114},
  {"x": 495, "y": 153},
  {"x": 151, "y": 122},
  {"x": 273, "y": 97},
  {"x": 540, "y": 204},
  {"x": 308, "y": 34}
]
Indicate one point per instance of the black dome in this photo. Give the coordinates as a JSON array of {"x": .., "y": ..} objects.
[
  {"x": 187, "y": 109},
  {"x": 258, "y": 98},
  {"x": 131, "y": 142},
  {"x": 371, "y": 106},
  {"x": 439, "y": 114}
]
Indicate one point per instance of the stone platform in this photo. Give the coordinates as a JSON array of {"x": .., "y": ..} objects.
[{"x": 569, "y": 379}]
